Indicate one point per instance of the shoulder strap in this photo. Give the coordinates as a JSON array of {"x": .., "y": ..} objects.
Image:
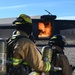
[{"x": 11, "y": 42}]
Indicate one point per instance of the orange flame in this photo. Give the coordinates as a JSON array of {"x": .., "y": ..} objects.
[{"x": 45, "y": 29}]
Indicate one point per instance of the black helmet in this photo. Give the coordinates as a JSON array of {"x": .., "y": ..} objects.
[{"x": 57, "y": 40}]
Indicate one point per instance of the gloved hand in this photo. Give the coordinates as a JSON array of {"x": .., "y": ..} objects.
[{"x": 54, "y": 68}]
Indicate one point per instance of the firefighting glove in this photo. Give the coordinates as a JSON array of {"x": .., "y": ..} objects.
[{"x": 54, "y": 68}]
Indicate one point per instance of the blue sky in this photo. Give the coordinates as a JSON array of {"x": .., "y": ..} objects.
[{"x": 63, "y": 9}]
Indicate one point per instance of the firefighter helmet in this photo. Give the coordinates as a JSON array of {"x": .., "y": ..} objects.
[
  {"x": 23, "y": 19},
  {"x": 57, "y": 40}
]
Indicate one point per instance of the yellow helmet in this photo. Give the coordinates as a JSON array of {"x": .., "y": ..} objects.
[{"x": 22, "y": 19}]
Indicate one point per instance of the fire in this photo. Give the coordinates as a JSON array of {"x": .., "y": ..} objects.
[{"x": 45, "y": 29}]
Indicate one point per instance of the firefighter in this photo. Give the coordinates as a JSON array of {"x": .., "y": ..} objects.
[
  {"x": 57, "y": 43},
  {"x": 25, "y": 49}
]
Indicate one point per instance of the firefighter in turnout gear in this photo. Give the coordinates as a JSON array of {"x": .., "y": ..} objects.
[
  {"x": 59, "y": 59},
  {"x": 23, "y": 50}
]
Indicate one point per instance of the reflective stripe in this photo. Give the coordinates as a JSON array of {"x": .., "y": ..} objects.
[
  {"x": 15, "y": 61},
  {"x": 33, "y": 73},
  {"x": 25, "y": 63},
  {"x": 18, "y": 22},
  {"x": 54, "y": 37},
  {"x": 48, "y": 66}
]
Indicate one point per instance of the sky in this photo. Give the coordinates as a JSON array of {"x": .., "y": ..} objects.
[{"x": 63, "y": 9}]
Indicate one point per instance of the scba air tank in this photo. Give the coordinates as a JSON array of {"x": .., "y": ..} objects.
[
  {"x": 47, "y": 53},
  {"x": 2, "y": 56}
]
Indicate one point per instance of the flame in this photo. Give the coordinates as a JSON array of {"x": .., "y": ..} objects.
[{"x": 45, "y": 30}]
